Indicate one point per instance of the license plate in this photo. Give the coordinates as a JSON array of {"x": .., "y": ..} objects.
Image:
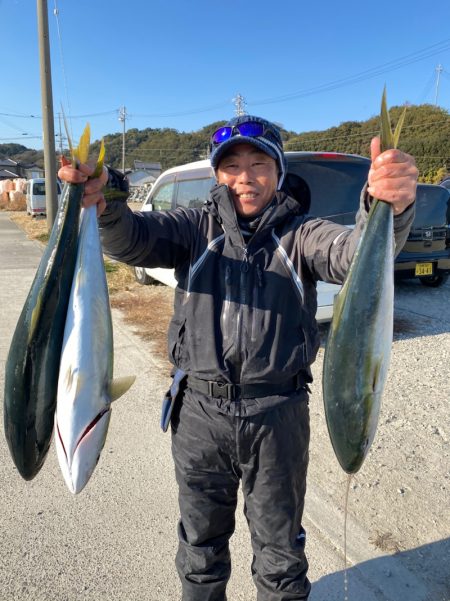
[{"x": 424, "y": 269}]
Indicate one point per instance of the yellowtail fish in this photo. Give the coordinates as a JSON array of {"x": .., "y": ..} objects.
[
  {"x": 32, "y": 366},
  {"x": 359, "y": 344},
  {"x": 85, "y": 387}
]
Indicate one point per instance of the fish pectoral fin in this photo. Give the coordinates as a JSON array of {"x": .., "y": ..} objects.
[{"x": 119, "y": 386}]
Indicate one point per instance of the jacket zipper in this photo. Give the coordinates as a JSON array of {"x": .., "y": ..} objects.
[
  {"x": 242, "y": 300},
  {"x": 258, "y": 285},
  {"x": 227, "y": 330}
]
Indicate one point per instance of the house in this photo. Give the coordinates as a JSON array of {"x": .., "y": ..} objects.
[
  {"x": 143, "y": 173},
  {"x": 10, "y": 169},
  {"x": 139, "y": 177}
]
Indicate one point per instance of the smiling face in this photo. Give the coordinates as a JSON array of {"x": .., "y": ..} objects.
[{"x": 252, "y": 177}]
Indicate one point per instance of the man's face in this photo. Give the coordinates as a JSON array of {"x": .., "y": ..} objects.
[{"x": 252, "y": 177}]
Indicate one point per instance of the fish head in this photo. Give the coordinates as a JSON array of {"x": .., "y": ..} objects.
[{"x": 78, "y": 466}]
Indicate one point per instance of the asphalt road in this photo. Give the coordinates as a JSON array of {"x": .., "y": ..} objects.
[{"x": 116, "y": 540}]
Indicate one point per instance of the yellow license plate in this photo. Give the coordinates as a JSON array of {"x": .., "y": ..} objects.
[{"x": 424, "y": 269}]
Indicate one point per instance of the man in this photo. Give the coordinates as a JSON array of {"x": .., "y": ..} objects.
[{"x": 245, "y": 335}]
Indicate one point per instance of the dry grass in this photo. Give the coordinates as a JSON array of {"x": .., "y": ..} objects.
[
  {"x": 147, "y": 308},
  {"x": 34, "y": 227},
  {"x": 385, "y": 542},
  {"x": 120, "y": 277},
  {"x": 15, "y": 205}
]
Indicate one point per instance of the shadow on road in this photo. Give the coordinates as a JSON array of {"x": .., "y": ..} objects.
[
  {"x": 418, "y": 311},
  {"x": 420, "y": 574}
]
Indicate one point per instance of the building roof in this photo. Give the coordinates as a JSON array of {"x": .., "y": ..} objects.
[
  {"x": 6, "y": 174},
  {"x": 7, "y": 163},
  {"x": 147, "y": 166},
  {"x": 141, "y": 177}
]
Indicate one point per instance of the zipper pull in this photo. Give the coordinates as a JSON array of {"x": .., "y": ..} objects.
[
  {"x": 259, "y": 276},
  {"x": 244, "y": 265},
  {"x": 228, "y": 275}
]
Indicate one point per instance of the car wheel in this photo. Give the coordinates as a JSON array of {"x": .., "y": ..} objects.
[
  {"x": 141, "y": 276},
  {"x": 433, "y": 281}
]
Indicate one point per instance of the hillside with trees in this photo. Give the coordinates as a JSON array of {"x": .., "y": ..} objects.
[{"x": 425, "y": 135}]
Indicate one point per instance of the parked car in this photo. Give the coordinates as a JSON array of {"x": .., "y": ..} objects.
[
  {"x": 426, "y": 254},
  {"x": 329, "y": 184},
  {"x": 446, "y": 183},
  {"x": 35, "y": 196}
]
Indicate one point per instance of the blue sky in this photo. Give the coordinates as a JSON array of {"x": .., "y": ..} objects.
[{"x": 307, "y": 65}]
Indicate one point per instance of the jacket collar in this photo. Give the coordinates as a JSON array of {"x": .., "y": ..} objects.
[{"x": 220, "y": 205}]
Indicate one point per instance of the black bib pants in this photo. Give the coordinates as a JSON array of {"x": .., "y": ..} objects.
[{"x": 268, "y": 452}]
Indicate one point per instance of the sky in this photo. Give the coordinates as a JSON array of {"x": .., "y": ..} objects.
[{"x": 179, "y": 64}]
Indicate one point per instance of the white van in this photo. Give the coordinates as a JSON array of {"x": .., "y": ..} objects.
[
  {"x": 330, "y": 182},
  {"x": 35, "y": 195}
]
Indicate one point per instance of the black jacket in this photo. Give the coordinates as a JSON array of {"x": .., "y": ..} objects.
[{"x": 243, "y": 313}]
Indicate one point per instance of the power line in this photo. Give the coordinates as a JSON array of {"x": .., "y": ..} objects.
[
  {"x": 416, "y": 56},
  {"x": 22, "y": 138},
  {"x": 294, "y": 139},
  {"x": 22, "y": 116},
  {"x": 363, "y": 75},
  {"x": 426, "y": 89},
  {"x": 184, "y": 113}
]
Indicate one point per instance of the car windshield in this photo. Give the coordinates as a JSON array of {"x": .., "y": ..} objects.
[
  {"x": 39, "y": 189},
  {"x": 335, "y": 186}
]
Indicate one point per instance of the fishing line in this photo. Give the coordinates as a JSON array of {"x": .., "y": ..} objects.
[{"x": 56, "y": 13}]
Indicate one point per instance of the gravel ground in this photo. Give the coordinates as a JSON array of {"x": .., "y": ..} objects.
[{"x": 401, "y": 494}]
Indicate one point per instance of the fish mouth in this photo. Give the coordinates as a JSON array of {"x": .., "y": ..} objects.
[
  {"x": 85, "y": 432},
  {"x": 92, "y": 425}
]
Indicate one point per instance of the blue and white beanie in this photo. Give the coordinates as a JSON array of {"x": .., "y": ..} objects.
[{"x": 270, "y": 143}]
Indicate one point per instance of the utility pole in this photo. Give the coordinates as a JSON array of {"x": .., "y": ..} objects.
[
  {"x": 51, "y": 193},
  {"x": 439, "y": 70},
  {"x": 123, "y": 119},
  {"x": 239, "y": 102}
]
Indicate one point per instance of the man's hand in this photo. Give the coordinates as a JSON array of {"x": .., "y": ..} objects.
[
  {"x": 93, "y": 194},
  {"x": 392, "y": 177}
]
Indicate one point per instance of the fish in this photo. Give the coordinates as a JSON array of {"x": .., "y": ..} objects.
[
  {"x": 32, "y": 364},
  {"x": 85, "y": 386},
  {"x": 358, "y": 348}
]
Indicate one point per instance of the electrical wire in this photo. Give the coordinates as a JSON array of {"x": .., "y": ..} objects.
[
  {"x": 184, "y": 113},
  {"x": 416, "y": 56},
  {"x": 427, "y": 88},
  {"x": 426, "y": 52}
]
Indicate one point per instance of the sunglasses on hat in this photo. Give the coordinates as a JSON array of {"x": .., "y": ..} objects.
[{"x": 250, "y": 129}]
